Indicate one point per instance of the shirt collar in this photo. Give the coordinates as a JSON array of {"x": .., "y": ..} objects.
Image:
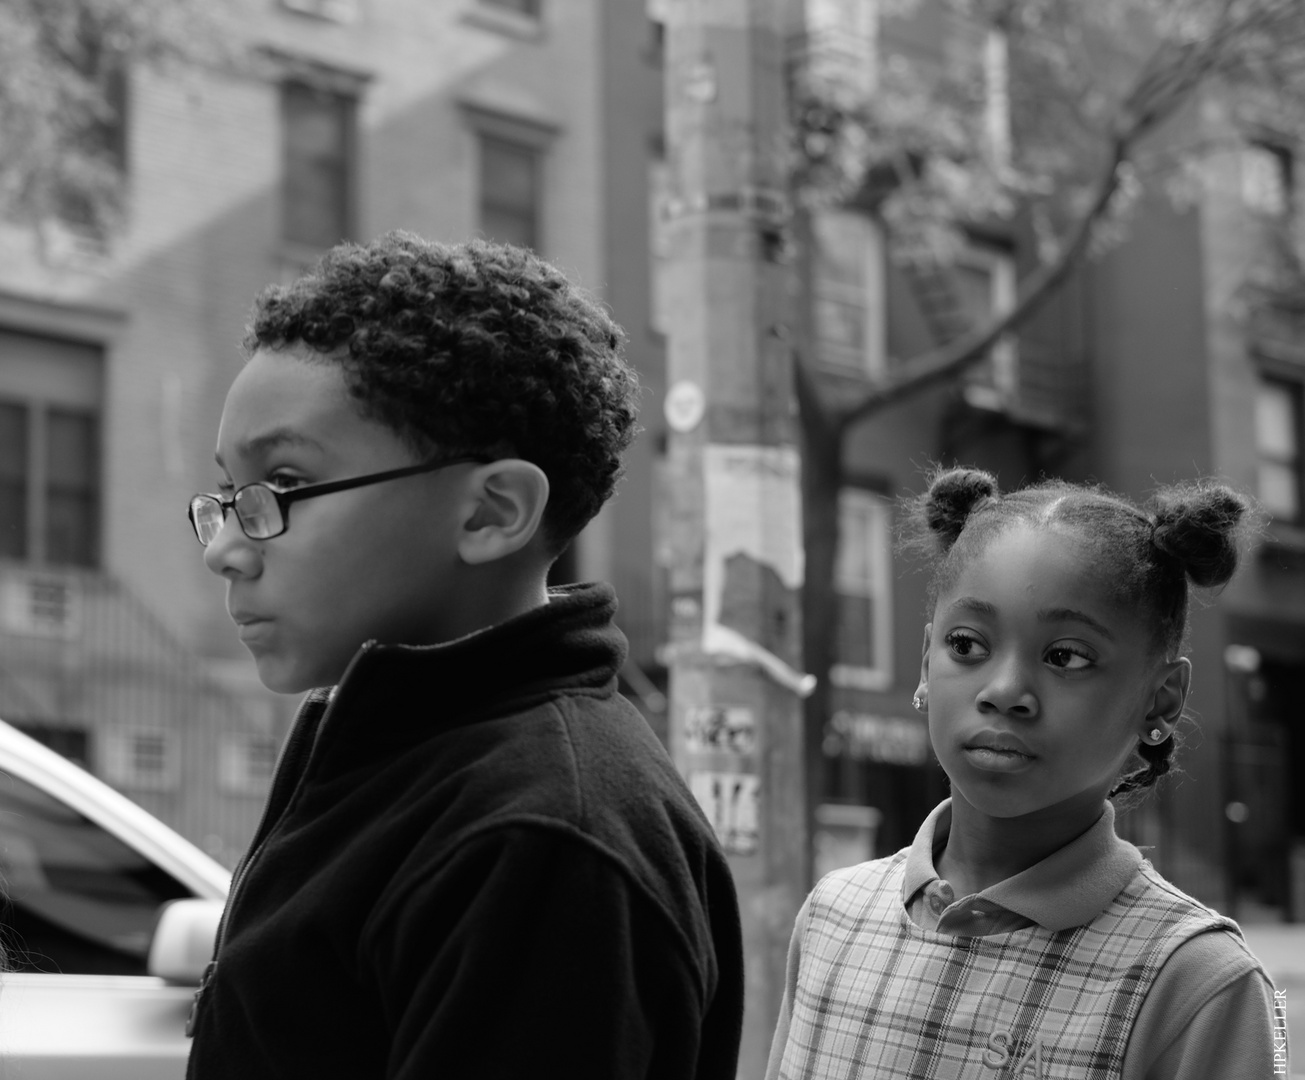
[{"x": 1070, "y": 887}]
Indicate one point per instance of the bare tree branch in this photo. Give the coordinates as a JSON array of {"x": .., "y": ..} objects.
[{"x": 941, "y": 364}]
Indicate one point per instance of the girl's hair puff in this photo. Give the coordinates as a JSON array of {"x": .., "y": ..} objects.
[{"x": 1152, "y": 555}]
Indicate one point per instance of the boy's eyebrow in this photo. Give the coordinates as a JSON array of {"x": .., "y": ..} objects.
[
  {"x": 1072, "y": 615},
  {"x": 259, "y": 445}
]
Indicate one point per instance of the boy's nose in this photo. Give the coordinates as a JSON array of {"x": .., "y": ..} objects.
[
  {"x": 1009, "y": 690},
  {"x": 232, "y": 553}
]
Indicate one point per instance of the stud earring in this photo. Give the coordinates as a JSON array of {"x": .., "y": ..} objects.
[
  {"x": 920, "y": 702},
  {"x": 1155, "y": 735}
]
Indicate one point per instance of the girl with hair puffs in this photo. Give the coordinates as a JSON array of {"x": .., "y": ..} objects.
[{"x": 1019, "y": 937}]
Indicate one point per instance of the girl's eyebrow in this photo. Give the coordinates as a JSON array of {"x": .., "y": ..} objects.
[
  {"x": 982, "y": 607},
  {"x": 974, "y": 604},
  {"x": 1071, "y": 615}
]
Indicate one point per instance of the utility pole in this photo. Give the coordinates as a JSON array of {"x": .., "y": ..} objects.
[{"x": 736, "y": 676}]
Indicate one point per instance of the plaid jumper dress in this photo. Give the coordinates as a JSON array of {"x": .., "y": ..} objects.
[{"x": 879, "y": 996}]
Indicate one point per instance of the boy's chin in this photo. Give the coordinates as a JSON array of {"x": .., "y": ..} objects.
[{"x": 282, "y": 678}]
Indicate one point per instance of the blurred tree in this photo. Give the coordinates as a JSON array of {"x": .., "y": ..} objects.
[
  {"x": 1063, "y": 117},
  {"x": 63, "y": 93}
]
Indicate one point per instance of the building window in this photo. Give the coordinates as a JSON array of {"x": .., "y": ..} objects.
[
  {"x": 509, "y": 192},
  {"x": 1266, "y": 179},
  {"x": 842, "y": 42},
  {"x": 1278, "y": 424},
  {"x": 996, "y": 95},
  {"x": 143, "y": 759},
  {"x": 863, "y": 583},
  {"x": 848, "y": 291},
  {"x": 49, "y": 450},
  {"x": 317, "y": 182},
  {"x": 986, "y": 286},
  {"x": 13, "y": 480},
  {"x": 522, "y": 7},
  {"x": 246, "y": 763},
  {"x": 72, "y": 487}
]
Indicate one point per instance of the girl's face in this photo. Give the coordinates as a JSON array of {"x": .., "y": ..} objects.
[{"x": 1039, "y": 683}]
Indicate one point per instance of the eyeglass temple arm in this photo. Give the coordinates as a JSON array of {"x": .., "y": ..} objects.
[{"x": 293, "y": 495}]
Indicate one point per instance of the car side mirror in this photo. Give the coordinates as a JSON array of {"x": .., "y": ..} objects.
[{"x": 184, "y": 938}]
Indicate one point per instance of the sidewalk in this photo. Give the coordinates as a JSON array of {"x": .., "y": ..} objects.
[{"x": 1281, "y": 949}]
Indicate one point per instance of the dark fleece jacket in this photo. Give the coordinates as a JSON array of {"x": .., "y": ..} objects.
[{"x": 477, "y": 861}]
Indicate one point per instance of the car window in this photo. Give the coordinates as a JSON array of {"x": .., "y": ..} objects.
[{"x": 77, "y": 899}]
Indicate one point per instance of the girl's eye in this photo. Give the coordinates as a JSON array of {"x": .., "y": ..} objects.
[
  {"x": 1068, "y": 659},
  {"x": 965, "y": 645}
]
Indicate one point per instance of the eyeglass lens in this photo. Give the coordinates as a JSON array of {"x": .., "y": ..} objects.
[
  {"x": 255, "y": 506},
  {"x": 259, "y": 513}
]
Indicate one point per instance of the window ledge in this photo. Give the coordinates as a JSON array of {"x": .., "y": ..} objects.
[
  {"x": 294, "y": 259},
  {"x": 500, "y": 20},
  {"x": 1284, "y": 538},
  {"x": 855, "y": 677}
]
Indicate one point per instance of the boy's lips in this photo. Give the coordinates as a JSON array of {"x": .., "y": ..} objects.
[{"x": 249, "y": 625}]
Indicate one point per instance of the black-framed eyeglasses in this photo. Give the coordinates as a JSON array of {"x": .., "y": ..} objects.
[{"x": 264, "y": 512}]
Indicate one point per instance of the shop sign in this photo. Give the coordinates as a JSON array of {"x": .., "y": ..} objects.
[{"x": 890, "y": 740}]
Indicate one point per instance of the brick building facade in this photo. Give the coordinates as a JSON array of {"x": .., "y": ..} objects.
[
  {"x": 1158, "y": 362},
  {"x": 334, "y": 119}
]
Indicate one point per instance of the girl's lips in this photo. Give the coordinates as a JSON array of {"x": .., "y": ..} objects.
[{"x": 993, "y": 759}]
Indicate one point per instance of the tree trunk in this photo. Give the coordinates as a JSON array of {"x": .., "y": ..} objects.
[{"x": 822, "y": 480}]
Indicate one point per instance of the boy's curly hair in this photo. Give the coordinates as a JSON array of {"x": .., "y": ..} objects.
[{"x": 470, "y": 348}]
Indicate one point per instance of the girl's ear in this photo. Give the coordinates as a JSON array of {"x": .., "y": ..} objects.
[
  {"x": 508, "y": 499},
  {"x": 924, "y": 657},
  {"x": 1173, "y": 680}
]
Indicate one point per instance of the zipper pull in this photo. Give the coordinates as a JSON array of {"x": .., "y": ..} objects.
[{"x": 205, "y": 979}]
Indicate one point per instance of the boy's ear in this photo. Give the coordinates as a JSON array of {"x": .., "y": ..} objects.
[{"x": 508, "y": 499}]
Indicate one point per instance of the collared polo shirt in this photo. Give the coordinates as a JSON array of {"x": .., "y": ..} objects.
[
  {"x": 1208, "y": 1015},
  {"x": 1070, "y": 887}
]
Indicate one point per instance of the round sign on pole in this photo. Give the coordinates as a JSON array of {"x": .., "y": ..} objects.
[{"x": 684, "y": 406}]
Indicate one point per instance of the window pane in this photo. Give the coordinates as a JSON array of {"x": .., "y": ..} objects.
[
  {"x": 841, "y": 324},
  {"x": 1280, "y": 490},
  {"x": 82, "y": 901},
  {"x": 508, "y": 228},
  {"x": 855, "y": 634},
  {"x": 1275, "y": 422},
  {"x": 13, "y": 481},
  {"x": 976, "y": 289},
  {"x": 840, "y": 243},
  {"x": 509, "y": 192},
  {"x": 72, "y": 497},
  {"x": 526, "y": 7},
  {"x": 853, "y": 570},
  {"x": 318, "y": 144}
]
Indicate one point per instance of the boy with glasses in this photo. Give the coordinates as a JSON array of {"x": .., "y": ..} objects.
[{"x": 475, "y": 860}]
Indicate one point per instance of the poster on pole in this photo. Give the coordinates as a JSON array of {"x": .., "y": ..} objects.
[{"x": 752, "y": 551}]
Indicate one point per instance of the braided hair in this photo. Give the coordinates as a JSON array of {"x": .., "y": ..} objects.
[{"x": 1186, "y": 535}]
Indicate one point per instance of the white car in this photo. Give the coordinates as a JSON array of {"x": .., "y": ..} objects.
[{"x": 108, "y": 919}]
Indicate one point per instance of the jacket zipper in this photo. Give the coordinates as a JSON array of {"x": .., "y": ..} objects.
[{"x": 261, "y": 838}]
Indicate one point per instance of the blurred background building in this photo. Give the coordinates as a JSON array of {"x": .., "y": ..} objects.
[
  {"x": 539, "y": 122},
  {"x": 530, "y": 121}
]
